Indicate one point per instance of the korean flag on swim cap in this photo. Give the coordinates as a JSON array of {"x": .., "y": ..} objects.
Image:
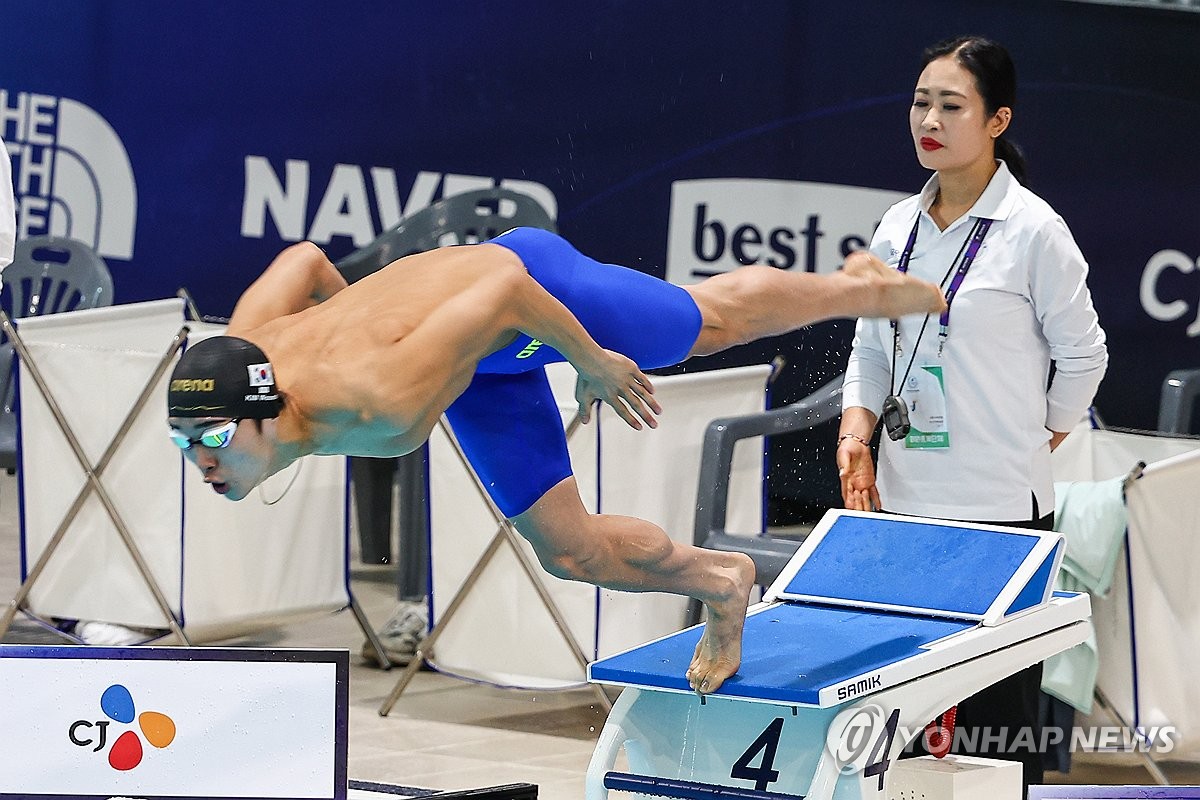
[
  {"x": 223, "y": 377},
  {"x": 261, "y": 376}
]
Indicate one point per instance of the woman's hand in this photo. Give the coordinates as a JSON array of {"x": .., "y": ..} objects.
[
  {"x": 856, "y": 472},
  {"x": 616, "y": 380}
]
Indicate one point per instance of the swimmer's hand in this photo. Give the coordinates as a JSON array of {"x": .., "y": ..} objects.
[{"x": 616, "y": 380}]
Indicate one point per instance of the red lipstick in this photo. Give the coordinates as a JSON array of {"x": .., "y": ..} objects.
[{"x": 928, "y": 144}]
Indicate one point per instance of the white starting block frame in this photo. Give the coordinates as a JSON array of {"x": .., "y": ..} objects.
[
  {"x": 877, "y": 625},
  {"x": 167, "y": 722}
]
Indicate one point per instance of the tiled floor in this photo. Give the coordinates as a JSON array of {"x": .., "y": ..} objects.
[{"x": 449, "y": 734}]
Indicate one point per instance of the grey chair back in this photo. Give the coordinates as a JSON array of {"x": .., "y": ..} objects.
[
  {"x": 464, "y": 218},
  {"x": 1180, "y": 393},
  {"x": 770, "y": 554},
  {"x": 48, "y": 275}
]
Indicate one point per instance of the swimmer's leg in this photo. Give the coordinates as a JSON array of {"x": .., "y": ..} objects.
[
  {"x": 512, "y": 433},
  {"x": 753, "y": 302},
  {"x": 633, "y": 555}
]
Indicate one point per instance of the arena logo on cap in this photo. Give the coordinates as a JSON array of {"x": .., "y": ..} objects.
[
  {"x": 193, "y": 385},
  {"x": 720, "y": 224},
  {"x": 71, "y": 174},
  {"x": 126, "y": 752}
]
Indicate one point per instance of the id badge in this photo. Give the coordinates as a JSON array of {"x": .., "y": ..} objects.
[{"x": 925, "y": 392}]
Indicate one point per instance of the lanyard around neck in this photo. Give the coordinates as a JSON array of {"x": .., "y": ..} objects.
[
  {"x": 974, "y": 241},
  {"x": 967, "y": 253}
]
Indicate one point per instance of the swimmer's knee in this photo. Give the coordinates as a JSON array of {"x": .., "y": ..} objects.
[
  {"x": 747, "y": 283},
  {"x": 608, "y": 546},
  {"x": 729, "y": 303},
  {"x": 583, "y": 560},
  {"x": 572, "y": 566}
]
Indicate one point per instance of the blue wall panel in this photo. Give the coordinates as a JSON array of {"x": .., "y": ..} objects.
[{"x": 355, "y": 112}]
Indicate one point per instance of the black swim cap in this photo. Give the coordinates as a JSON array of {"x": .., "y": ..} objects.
[{"x": 223, "y": 377}]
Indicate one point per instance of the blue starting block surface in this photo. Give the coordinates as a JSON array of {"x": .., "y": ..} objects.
[
  {"x": 863, "y": 594},
  {"x": 923, "y": 566},
  {"x": 790, "y": 651},
  {"x": 916, "y": 565}
]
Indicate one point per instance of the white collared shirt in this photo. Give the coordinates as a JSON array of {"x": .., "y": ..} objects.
[
  {"x": 1023, "y": 303},
  {"x": 8, "y": 214}
]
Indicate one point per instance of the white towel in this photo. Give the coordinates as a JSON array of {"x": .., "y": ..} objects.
[
  {"x": 1071, "y": 675},
  {"x": 1092, "y": 517}
]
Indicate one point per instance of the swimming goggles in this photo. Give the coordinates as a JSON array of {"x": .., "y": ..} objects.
[{"x": 216, "y": 436}]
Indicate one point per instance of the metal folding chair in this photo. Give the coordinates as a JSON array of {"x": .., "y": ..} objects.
[
  {"x": 52, "y": 274},
  {"x": 769, "y": 553},
  {"x": 93, "y": 484}
]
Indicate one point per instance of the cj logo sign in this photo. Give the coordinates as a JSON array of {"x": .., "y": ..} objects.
[
  {"x": 1160, "y": 288},
  {"x": 126, "y": 752},
  {"x": 71, "y": 173}
]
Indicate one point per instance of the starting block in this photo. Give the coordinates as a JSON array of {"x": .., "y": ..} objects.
[{"x": 877, "y": 625}]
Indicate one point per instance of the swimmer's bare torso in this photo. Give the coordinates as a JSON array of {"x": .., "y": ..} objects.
[{"x": 368, "y": 369}]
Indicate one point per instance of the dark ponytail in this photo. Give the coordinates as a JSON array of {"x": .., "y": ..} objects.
[{"x": 996, "y": 80}]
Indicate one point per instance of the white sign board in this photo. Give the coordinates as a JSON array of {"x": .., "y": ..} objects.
[{"x": 172, "y": 722}]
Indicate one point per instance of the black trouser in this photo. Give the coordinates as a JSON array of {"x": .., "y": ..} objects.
[{"x": 992, "y": 721}]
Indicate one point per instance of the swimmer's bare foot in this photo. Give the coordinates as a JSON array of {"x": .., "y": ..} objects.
[
  {"x": 888, "y": 293},
  {"x": 719, "y": 652}
]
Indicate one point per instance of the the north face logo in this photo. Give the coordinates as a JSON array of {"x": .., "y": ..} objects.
[{"x": 71, "y": 174}]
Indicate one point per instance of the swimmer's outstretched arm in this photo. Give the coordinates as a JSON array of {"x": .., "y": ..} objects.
[
  {"x": 603, "y": 374},
  {"x": 298, "y": 278},
  {"x": 442, "y": 352}
]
